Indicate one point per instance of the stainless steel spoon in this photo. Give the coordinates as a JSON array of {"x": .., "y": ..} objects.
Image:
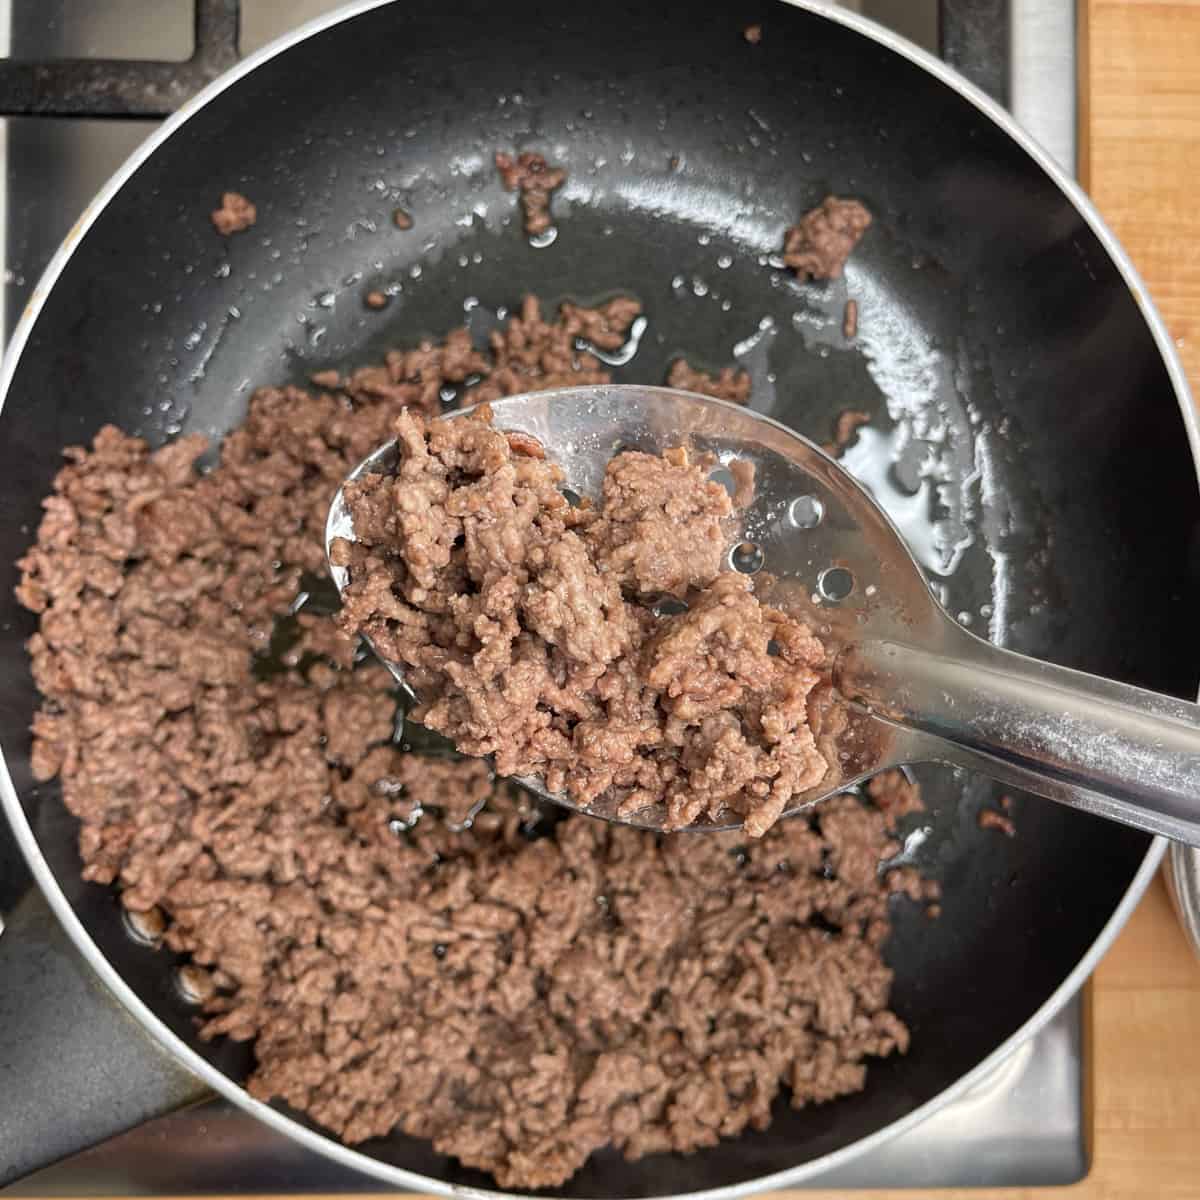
[{"x": 919, "y": 687}]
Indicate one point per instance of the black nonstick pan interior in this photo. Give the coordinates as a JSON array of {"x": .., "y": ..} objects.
[{"x": 1025, "y": 431}]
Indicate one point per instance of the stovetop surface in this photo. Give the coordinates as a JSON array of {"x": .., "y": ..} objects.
[{"x": 1023, "y": 1126}]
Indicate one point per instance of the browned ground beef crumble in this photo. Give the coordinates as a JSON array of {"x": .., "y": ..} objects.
[
  {"x": 991, "y": 818},
  {"x": 850, "y": 320},
  {"x": 819, "y": 244},
  {"x": 895, "y": 794},
  {"x": 730, "y": 383},
  {"x": 518, "y": 620},
  {"x": 530, "y": 175},
  {"x": 845, "y": 431},
  {"x": 519, "y": 1001},
  {"x": 235, "y": 214}
]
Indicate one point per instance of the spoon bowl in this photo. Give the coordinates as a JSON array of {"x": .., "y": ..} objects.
[{"x": 913, "y": 685}]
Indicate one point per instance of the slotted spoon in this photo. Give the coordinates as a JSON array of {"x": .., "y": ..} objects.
[{"x": 917, "y": 686}]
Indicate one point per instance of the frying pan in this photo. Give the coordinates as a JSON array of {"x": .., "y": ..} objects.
[{"x": 1031, "y": 428}]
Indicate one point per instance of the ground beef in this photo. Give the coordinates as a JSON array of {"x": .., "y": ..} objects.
[
  {"x": 850, "y": 320},
  {"x": 659, "y": 530},
  {"x": 744, "y": 474},
  {"x": 235, "y": 214},
  {"x": 375, "y": 299},
  {"x": 605, "y": 327},
  {"x": 401, "y": 219},
  {"x": 390, "y": 929},
  {"x": 990, "y": 818},
  {"x": 819, "y": 244},
  {"x": 518, "y": 620},
  {"x": 895, "y": 793},
  {"x": 531, "y": 354},
  {"x": 845, "y": 431},
  {"x": 753, "y": 34},
  {"x": 730, "y": 383},
  {"x": 531, "y": 176}
]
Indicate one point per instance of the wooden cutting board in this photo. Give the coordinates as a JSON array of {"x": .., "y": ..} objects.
[
  {"x": 1145, "y": 1042},
  {"x": 1140, "y": 132}
]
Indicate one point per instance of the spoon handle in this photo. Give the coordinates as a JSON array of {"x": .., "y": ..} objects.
[{"x": 1107, "y": 748}]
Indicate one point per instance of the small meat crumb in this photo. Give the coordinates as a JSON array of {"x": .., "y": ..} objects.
[
  {"x": 401, "y": 219},
  {"x": 744, "y": 482},
  {"x": 605, "y": 327},
  {"x": 895, "y": 794},
  {"x": 819, "y": 244},
  {"x": 730, "y": 383},
  {"x": 376, "y": 299},
  {"x": 753, "y": 34},
  {"x": 235, "y": 214},
  {"x": 989, "y": 818},
  {"x": 850, "y": 320},
  {"x": 845, "y": 430},
  {"x": 531, "y": 176}
]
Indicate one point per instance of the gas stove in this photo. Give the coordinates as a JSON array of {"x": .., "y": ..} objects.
[{"x": 78, "y": 72}]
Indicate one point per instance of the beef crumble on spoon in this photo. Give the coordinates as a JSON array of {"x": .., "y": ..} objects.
[{"x": 528, "y": 626}]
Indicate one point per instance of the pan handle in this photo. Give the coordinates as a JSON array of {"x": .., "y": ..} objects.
[
  {"x": 85, "y": 1071},
  {"x": 976, "y": 40},
  {"x": 1103, "y": 747}
]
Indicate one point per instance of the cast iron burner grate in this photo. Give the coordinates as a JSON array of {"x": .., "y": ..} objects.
[
  {"x": 111, "y": 87},
  {"x": 973, "y": 34}
]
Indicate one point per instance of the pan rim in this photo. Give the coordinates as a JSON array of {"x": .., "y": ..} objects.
[{"x": 324, "y": 1144}]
